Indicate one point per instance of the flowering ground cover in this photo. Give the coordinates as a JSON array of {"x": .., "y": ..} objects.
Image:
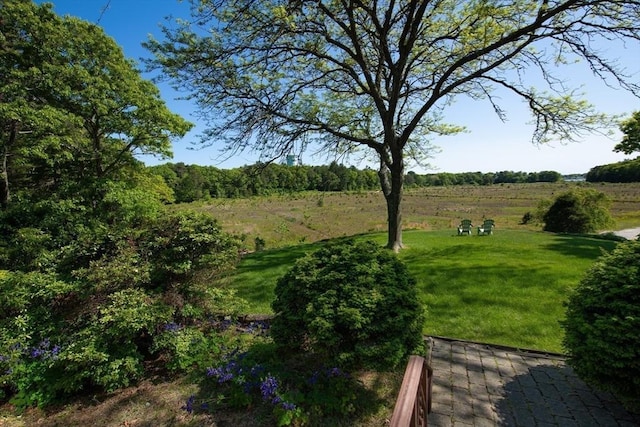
[{"x": 250, "y": 386}]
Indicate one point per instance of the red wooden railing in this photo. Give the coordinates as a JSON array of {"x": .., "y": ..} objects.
[{"x": 414, "y": 399}]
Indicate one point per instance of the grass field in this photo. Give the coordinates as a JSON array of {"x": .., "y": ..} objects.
[
  {"x": 309, "y": 217},
  {"x": 508, "y": 288}
]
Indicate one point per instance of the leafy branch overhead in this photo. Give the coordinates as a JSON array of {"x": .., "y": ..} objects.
[
  {"x": 379, "y": 75},
  {"x": 631, "y": 139}
]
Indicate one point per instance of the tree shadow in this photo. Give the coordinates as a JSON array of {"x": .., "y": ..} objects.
[
  {"x": 581, "y": 245},
  {"x": 554, "y": 395}
]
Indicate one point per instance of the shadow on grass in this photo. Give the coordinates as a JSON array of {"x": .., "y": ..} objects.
[
  {"x": 582, "y": 245},
  {"x": 274, "y": 258},
  {"x": 255, "y": 277}
]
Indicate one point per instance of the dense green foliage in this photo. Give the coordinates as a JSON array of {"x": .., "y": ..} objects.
[
  {"x": 73, "y": 109},
  {"x": 580, "y": 210},
  {"x": 602, "y": 324},
  {"x": 104, "y": 300},
  {"x": 351, "y": 303},
  {"x": 192, "y": 182},
  {"x": 95, "y": 271},
  {"x": 625, "y": 171},
  {"x": 631, "y": 134}
]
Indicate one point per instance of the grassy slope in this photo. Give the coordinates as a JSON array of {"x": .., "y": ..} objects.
[{"x": 507, "y": 289}]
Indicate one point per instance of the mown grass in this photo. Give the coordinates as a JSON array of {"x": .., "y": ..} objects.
[{"x": 508, "y": 288}]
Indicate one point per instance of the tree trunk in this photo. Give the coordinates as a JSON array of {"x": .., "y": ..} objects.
[
  {"x": 4, "y": 184},
  {"x": 392, "y": 180},
  {"x": 5, "y": 194}
]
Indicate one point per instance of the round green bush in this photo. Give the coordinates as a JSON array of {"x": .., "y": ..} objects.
[
  {"x": 578, "y": 211},
  {"x": 602, "y": 337},
  {"x": 353, "y": 304}
]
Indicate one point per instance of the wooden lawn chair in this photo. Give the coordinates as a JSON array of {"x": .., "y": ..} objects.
[
  {"x": 465, "y": 227},
  {"x": 486, "y": 228}
]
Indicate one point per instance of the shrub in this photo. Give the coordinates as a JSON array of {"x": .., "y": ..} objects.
[
  {"x": 526, "y": 218},
  {"x": 260, "y": 244},
  {"x": 578, "y": 211},
  {"x": 188, "y": 348},
  {"x": 182, "y": 243},
  {"x": 96, "y": 311},
  {"x": 602, "y": 324},
  {"x": 353, "y": 304}
]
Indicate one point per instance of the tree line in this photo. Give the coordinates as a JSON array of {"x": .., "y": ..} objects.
[
  {"x": 193, "y": 182},
  {"x": 625, "y": 171}
]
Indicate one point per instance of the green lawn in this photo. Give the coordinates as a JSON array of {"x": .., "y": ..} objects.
[{"x": 507, "y": 289}]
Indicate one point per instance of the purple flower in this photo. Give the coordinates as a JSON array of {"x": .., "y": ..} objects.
[
  {"x": 36, "y": 352},
  {"x": 268, "y": 387},
  {"x": 257, "y": 370},
  {"x": 55, "y": 351},
  {"x": 227, "y": 376},
  {"x": 223, "y": 374},
  {"x": 171, "y": 327},
  {"x": 288, "y": 406},
  {"x": 189, "y": 404},
  {"x": 44, "y": 351}
]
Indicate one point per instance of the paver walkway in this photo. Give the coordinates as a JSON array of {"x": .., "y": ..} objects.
[
  {"x": 481, "y": 385},
  {"x": 628, "y": 233}
]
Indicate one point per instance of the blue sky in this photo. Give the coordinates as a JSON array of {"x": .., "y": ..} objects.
[{"x": 489, "y": 145}]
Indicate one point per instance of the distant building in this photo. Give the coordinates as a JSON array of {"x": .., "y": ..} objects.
[{"x": 577, "y": 177}]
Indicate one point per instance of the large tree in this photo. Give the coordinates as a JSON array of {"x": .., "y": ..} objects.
[
  {"x": 273, "y": 75},
  {"x": 72, "y": 106}
]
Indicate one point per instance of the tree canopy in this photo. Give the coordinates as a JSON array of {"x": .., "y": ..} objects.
[
  {"x": 631, "y": 139},
  {"x": 70, "y": 101},
  {"x": 275, "y": 76}
]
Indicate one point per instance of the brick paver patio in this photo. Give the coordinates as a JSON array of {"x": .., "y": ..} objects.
[{"x": 481, "y": 385}]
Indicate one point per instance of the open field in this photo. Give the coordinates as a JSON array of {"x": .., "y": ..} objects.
[{"x": 308, "y": 217}]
